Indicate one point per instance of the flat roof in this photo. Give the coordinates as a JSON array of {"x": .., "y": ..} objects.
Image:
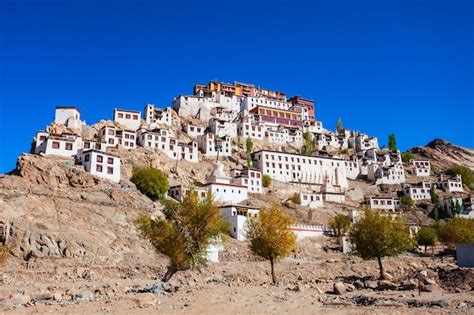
[
  {"x": 127, "y": 110},
  {"x": 299, "y": 155},
  {"x": 101, "y": 152},
  {"x": 68, "y": 107},
  {"x": 223, "y": 184}
]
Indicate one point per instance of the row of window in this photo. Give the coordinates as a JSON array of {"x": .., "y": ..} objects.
[{"x": 128, "y": 116}]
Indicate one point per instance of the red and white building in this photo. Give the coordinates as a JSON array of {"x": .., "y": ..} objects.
[
  {"x": 131, "y": 119},
  {"x": 101, "y": 164}
]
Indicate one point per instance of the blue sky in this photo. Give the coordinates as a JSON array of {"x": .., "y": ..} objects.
[{"x": 383, "y": 66}]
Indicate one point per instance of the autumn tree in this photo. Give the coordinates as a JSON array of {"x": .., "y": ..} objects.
[
  {"x": 266, "y": 180},
  {"x": 270, "y": 236},
  {"x": 308, "y": 146},
  {"x": 377, "y": 235},
  {"x": 458, "y": 230},
  {"x": 340, "y": 224},
  {"x": 185, "y": 232},
  {"x": 426, "y": 236},
  {"x": 150, "y": 182},
  {"x": 392, "y": 142},
  {"x": 249, "y": 148}
]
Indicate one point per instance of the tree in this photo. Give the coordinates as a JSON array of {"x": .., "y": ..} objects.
[
  {"x": 296, "y": 198},
  {"x": 426, "y": 236},
  {"x": 340, "y": 224},
  {"x": 151, "y": 182},
  {"x": 436, "y": 202},
  {"x": 457, "y": 208},
  {"x": 266, "y": 180},
  {"x": 392, "y": 142},
  {"x": 467, "y": 175},
  {"x": 249, "y": 148},
  {"x": 407, "y": 201},
  {"x": 185, "y": 232},
  {"x": 377, "y": 236},
  {"x": 339, "y": 124},
  {"x": 407, "y": 156},
  {"x": 270, "y": 236},
  {"x": 308, "y": 146},
  {"x": 458, "y": 230}
]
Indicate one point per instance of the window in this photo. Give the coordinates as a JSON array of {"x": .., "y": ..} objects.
[
  {"x": 110, "y": 170},
  {"x": 68, "y": 146},
  {"x": 120, "y": 115},
  {"x": 87, "y": 145},
  {"x": 135, "y": 117},
  {"x": 87, "y": 157},
  {"x": 110, "y": 160},
  {"x": 100, "y": 158},
  {"x": 111, "y": 141},
  {"x": 42, "y": 138},
  {"x": 111, "y": 132},
  {"x": 55, "y": 145},
  {"x": 127, "y": 116},
  {"x": 98, "y": 168}
]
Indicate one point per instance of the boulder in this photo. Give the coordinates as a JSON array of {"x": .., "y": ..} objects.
[
  {"x": 431, "y": 288},
  {"x": 409, "y": 285},
  {"x": 358, "y": 284},
  {"x": 386, "y": 285},
  {"x": 440, "y": 303},
  {"x": 370, "y": 284},
  {"x": 83, "y": 296},
  {"x": 339, "y": 288},
  {"x": 144, "y": 299}
]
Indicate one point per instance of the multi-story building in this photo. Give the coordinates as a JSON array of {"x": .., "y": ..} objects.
[
  {"x": 237, "y": 216},
  {"x": 158, "y": 116},
  {"x": 420, "y": 167},
  {"x": 307, "y": 103},
  {"x": 115, "y": 136},
  {"x": 69, "y": 116},
  {"x": 420, "y": 191},
  {"x": 60, "y": 145},
  {"x": 450, "y": 183},
  {"x": 277, "y": 117},
  {"x": 383, "y": 203},
  {"x": 250, "y": 130},
  {"x": 209, "y": 145},
  {"x": 290, "y": 167},
  {"x": 252, "y": 178},
  {"x": 386, "y": 175},
  {"x": 131, "y": 119},
  {"x": 249, "y": 103},
  {"x": 222, "y": 128},
  {"x": 193, "y": 131},
  {"x": 312, "y": 199},
  {"x": 99, "y": 163}
]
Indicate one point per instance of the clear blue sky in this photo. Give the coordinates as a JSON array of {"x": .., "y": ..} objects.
[{"x": 383, "y": 66}]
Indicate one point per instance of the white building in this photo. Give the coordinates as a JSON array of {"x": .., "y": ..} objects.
[
  {"x": 237, "y": 216},
  {"x": 290, "y": 167},
  {"x": 69, "y": 116},
  {"x": 312, "y": 199},
  {"x": 283, "y": 136},
  {"x": 160, "y": 139},
  {"x": 448, "y": 204},
  {"x": 222, "y": 128},
  {"x": 210, "y": 144},
  {"x": 421, "y": 167},
  {"x": 250, "y": 130},
  {"x": 250, "y": 102},
  {"x": 302, "y": 231},
  {"x": 60, "y": 145},
  {"x": 131, "y": 119},
  {"x": 101, "y": 164},
  {"x": 352, "y": 169},
  {"x": 221, "y": 188},
  {"x": 194, "y": 106},
  {"x": 384, "y": 203},
  {"x": 157, "y": 116},
  {"x": 114, "y": 136},
  {"x": 421, "y": 191},
  {"x": 450, "y": 183},
  {"x": 193, "y": 131},
  {"x": 251, "y": 178}
]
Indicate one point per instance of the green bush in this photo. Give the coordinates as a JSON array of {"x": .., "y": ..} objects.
[
  {"x": 426, "y": 236},
  {"x": 407, "y": 201},
  {"x": 266, "y": 180},
  {"x": 458, "y": 230},
  {"x": 407, "y": 156},
  {"x": 296, "y": 198},
  {"x": 151, "y": 182},
  {"x": 466, "y": 173}
]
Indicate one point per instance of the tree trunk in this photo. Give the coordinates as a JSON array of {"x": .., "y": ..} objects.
[
  {"x": 426, "y": 248},
  {"x": 382, "y": 275},
  {"x": 273, "y": 271},
  {"x": 169, "y": 273}
]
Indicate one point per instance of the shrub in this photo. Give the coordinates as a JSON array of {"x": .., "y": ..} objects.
[
  {"x": 188, "y": 228},
  {"x": 266, "y": 180},
  {"x": 340, "y": 224},
  {"x": 376, "y": 236},
  {"x": 270, "y": 236},
  {"x": 296, "y": 198},
  {"x": 458, "y": 230},
  {"x": 151, "y": 182},
  {"x": 466, "y": 174},
  {"x": 407, "y": 201},
  {"x": 426, "y": 236},
  {"x": 407, "y": 156}
]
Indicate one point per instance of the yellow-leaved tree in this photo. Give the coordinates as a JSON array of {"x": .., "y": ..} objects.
[
  {"x": 186, "y": 231},
  {"x": 270, "y": 236}
]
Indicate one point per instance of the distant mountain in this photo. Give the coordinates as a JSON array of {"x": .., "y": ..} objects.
[{"x": 444, "y": 154}]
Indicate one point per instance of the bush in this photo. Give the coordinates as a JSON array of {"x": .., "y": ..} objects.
[
  {"x": 458, "y": 230},
  {"x": 407, "y": 156},
  {"x": 151, "y": 182},
  {"x": 266, "y": 180},
  {"x": 407, "y": 201},
  {"x": 426, "y": 236},
  {"x": 340, "y": 224},
  {"x": 296, "y": 198},
  {"x": 466, "y": 173}
]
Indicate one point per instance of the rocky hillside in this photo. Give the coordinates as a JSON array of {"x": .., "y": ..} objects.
[{"x": 444, "y": 154}]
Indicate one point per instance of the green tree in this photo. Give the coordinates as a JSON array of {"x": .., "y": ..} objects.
[
  {"x": 426, "y": 236},
  {"x": 339, "y": 126},
  {"x": 185, "y": 232},
  {"x": 270, "y": 236},
  {"x": 466, "y": 174},
  {"x": 266, "y": 180},
  {"x": 249, "y": 148},
  {"x": 377, "y": 236},
  {"x": 340, "y": 224},
  {"x": 151, "y": 182},
  {"x": 407, "y": 201},
  {"x": 458, "y": 230},
  {"x": 392, "y": 142},
  {"x": 436, "y": 202},
  {"x": 308, "y": 146},
  {"x": 457, "y": 208},
  {"x": 407, "y": 156}
]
